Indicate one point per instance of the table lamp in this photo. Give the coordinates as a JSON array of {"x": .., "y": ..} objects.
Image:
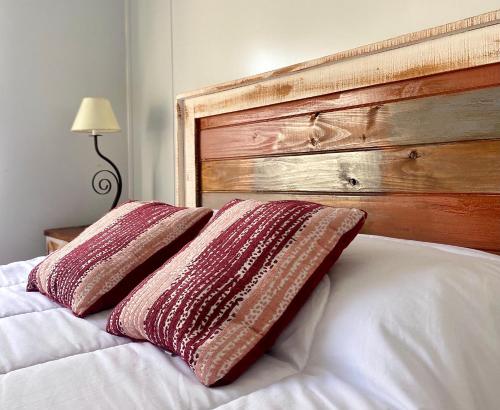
[{"x": 96, "y": 117}]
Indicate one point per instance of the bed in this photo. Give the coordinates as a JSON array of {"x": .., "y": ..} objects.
[
  {"x": 409, "y": 317},
  {"x": 395, "y": 325}
]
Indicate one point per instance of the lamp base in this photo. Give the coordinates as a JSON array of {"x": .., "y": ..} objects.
[{"x": 102, "y": 184}]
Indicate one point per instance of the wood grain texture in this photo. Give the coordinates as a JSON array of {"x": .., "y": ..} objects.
[
  {"x": 475, "y": 22},
  {"x": 471, "y": 115},
  {"x": 464, "y": 220},
  {"x": 64, "y": 234},
  {"x": 443, "y": 83},
  {"x": 186, "y": 158},
  {"x": 180, "y": 153},
  {"x": 458, "y": 51},
  {"x": 407, "y": 129},
  {"x": 52, "y": 244},
  {"x": 455, "y": 167},
  {"x": 462, "y": 45}
]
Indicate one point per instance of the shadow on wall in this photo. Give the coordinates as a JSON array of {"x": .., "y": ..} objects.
[{"x": 158, "y": 155}]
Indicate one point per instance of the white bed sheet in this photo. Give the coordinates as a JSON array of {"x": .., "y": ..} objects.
[{"x": 396, "y": 324}]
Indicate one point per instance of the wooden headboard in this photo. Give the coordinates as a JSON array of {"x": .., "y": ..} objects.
[{"x": 407, "y": 129}]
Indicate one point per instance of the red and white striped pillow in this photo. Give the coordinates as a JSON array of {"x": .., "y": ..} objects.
[
  {"x": 222, "y": 301},
  {"x": 106, "y": 261}
]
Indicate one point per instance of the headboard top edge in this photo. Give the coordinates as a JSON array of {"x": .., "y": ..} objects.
[{"x": 456, "y": 27}]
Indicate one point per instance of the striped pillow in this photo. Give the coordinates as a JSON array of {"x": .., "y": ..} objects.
[
  {"x": 106, "y": 261},
  {"x": 222, "y": 301}
]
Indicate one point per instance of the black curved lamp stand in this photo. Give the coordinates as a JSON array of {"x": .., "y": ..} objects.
[{"x": 102, "y": 185}]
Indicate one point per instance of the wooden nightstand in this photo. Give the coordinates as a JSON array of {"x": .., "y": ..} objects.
[{"x": 56, "y": 238}]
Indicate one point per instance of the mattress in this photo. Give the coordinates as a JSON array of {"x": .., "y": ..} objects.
[{"x": 395, "y": 324}]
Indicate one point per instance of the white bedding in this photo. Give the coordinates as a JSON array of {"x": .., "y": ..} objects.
[{"x": 396, "y": 324}]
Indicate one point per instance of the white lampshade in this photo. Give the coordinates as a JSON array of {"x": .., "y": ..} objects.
[{"x": 95, "y": 116}]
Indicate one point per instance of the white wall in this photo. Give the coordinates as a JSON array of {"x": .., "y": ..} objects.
[
  {"x": 150, "y": 98},
  {"x": 53, "y": 53},
  {"x": 220, "y": 40}
]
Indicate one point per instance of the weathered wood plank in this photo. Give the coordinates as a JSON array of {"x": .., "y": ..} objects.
[
  {"x": 458, "y": 51},
  {"x": 455, "y": 167},
  {"x": 186, "y": 164},
  {"x": 180, "y": 153},
  {"x": 469, "y": 220},
  {"x": 443, "y": 83},
  {"x": 455, "y": 117},
  {"x": 470, "y": 23}
]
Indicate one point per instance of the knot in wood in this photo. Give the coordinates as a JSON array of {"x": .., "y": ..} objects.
[
  {"x": 314, "y": 116},
  {"x": 413, "y": 154},
  {"x": 314, "y": 141},
  {"x": 353, "y": 181}
]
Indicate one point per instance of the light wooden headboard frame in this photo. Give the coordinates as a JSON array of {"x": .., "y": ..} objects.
[{"x": 407, "y": 129}]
